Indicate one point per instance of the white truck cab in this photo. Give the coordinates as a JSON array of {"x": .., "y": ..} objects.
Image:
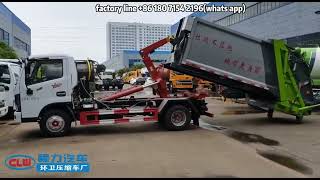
[
  {"x": 46, "y": 82},
  {"x": 9, "y": 76}
]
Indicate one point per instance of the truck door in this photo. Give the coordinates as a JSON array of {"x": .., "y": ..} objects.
[{"x": 45, "y": 85}]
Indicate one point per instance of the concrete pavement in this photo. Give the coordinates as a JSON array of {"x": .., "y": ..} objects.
[
  {"x": 142, "y": 150},
  {"x": 299, "y": 142}
]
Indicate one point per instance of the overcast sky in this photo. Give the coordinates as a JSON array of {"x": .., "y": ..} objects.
[{"x": 76, "y": 28}]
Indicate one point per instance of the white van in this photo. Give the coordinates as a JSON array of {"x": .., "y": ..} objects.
[{"x": 9, "y": 76}]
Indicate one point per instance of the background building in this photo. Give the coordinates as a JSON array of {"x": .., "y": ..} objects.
[
  {"x": 296, "y": 22},
  {"x": 14, "y": 32},
  {"x": 128, "y": 58},
  {"x": 133, "y": 36}
]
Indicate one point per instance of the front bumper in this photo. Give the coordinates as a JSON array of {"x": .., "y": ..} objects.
[{"x": 4, "y": 111}]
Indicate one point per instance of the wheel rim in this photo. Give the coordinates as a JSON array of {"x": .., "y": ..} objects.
[
  {"x": 55, "y": 123},
  {"x": 178, "y": 118}
]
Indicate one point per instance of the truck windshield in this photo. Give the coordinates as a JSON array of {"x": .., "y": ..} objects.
[
  {"x": 4, "y": 74},
  {"x": 43, "y": 70}
]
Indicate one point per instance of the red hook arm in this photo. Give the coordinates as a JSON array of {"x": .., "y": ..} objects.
[{"x": 155, "y": 73}]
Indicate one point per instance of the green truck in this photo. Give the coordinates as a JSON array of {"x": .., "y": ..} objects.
[{"x": 312, "y": 58}]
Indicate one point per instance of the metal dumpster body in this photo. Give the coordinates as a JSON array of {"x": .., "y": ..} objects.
[
  {"x": 247, "y": 63},
  {"x": 267, "y": 71}
]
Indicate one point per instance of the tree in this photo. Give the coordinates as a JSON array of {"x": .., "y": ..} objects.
[
  {"x": 6, "y": 52},
  {"x": 137, "y": 66},
  {"x": 120, "y": 72}
]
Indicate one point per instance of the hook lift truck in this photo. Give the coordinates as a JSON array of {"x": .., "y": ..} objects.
[{"x": 270, "y": 73}]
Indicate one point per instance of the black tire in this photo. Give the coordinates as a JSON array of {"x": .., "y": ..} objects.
[
  {"x": 106, "y": 88},
  {"x": 171, "y": 113},
  {"x": 120, "y": 87},
  {"x": 270, "y": 114},
  {"x": 60, "y": 117},
  {"x": 98, "y": 87},
  {"x": 299, "y": 119}
]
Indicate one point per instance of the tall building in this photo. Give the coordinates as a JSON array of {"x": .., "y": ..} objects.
[
  {"x": 14, "y": 32},
  {"x": 134, "y": 36},
  {"x": 129, "y": 58},
  {"x": 298, "y": 23}
]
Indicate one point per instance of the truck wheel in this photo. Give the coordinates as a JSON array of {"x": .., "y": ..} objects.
[
  {"x": 55, "y": 123},
  {"x": 177, "y": 117},
  {"x": 270, "y": 114},
  {"x": 106, "y": 88},
  {"x": 120, "y": 87},
  {"x": 98, "y": 87},
  {"x": 299, "y": 119}
]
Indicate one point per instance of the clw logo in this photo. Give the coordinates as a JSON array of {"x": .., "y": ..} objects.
[{"x": 20, "y": 162}]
